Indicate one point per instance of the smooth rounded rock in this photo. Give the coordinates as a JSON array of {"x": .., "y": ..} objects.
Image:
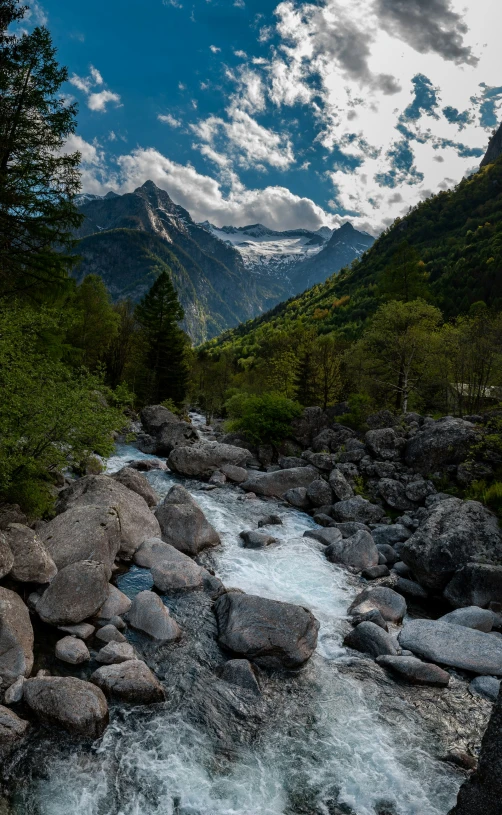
[
  {"x": 116, "y": 604},
  {"x": 136, "y": 481},
  {"x": 276, "y": 484},
  {"x": 357, "y": 509},
  {"x": 183, "y": 523},
  {"x": 389, "y": 603},
  {"x": 12, "y": 728},
  {"x": 471, "y": 617},
  {"x": 83, "y": 533},
  {"x": 357, "y": 552},
  {"x": 486, "y": 686},
  {"x": 16, "y": 639},
  {"x": 77, "y": 706},
  {"x": 113, "y": 653},
  {"x": 371, "y": 639},
  {"x": 204, "y": 457},
  {"x": 72, "y": 650},
  {"x": 297, "y": 497},
  {"x": 32, "y": 562},
  {"x": 476, "y": 584},
  {"x": 81, "y": 630},
  {"x": 270, "y": 520},
  {"x": 149, "y": 615},
  {"x": 14, "y": 694},
  {"x": 256, "y": 540},
  {"x": 131, "y": 681},
  {"x": 6, "y": 557},
  {"x": 453, "y": 645},
  {"x": 109, "y": 633},
  {"x": 339, "y": 485},
  {"x": 415, "y": 671},
  {"x": 76, "y": 593},
  {"x": 319, "y": 493}
]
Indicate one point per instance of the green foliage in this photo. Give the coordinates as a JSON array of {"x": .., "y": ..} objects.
[
  {"x": 38, "y": 179},
  {"x": 158, "y": 314},
  {"x": 264, "y": 419},
  {"x": 490, "y": 495},
  {"x": 51, "y": 417},
  {"x": 404, "y": 278},
  {"x": 360, "y": 407},
  {"x": 95, "y": 323}
]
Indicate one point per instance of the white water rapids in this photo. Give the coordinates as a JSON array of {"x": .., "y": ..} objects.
[{"x": 165, "y": 766}]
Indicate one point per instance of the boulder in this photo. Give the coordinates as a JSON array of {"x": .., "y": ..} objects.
[
  {"x": 357, "y": 509},
  {"x": 110, "y": 633},
  {"x": 75, "y": 705},
  {"x": 278, "y": 483},
  {"x": 149, "y": 615},
  {"x": 388, "y": 552},
  {"x": 319, "y": 493},
  {"x": 370, "y": 639},
  {"x": 454, "y": 533},
  {"x": 389, "y": 603},
  {"x": 241, "y": 672},
  {"x": 218, "y": 478},
  {"x": 83, "y": 533},
  {"x": 325, "y": 536},
  {"x": 419, "y": 490},
  {"x": 471, "y": 617},
  {"x": 270, "y": 520},
  {"x": 153, "y": 417},
  {"x": 270, "y": 633},
  {"x": 174, "y": 434},
  {"x": 357, "y": 552},
  {"x": 297, "y": 497},
  {"x": 389, "y": 534},
  {"x": 131, "y": 681},
  {"x": 116, "y": 604},
  {"x": 176, "y": 572},
  {"x": 374, "y": 572},
  {"x": 256, "y": 540},
  {"x": 372, "y": 616},
  {"x": 32, "y": 562},
  {"x": 72, "y": 650},
  {"x": 410, "y": 588},
  {"x": 350, "y": 528},
  {"x": 137, "y": 522},
  {"x": 321, "y": 461},
  {"x": 14, "y": 693},
  {"x": 415, "y": 671},
  {"x": 16, "y": 639},
  {"x": 233, "y": 473},
  {"x": 204, "y": 457},
  {"x": 82, "y": 630},
  {"x": 339, "y": 485},
  {"x": 476, "y": 584},
  {"x": 384, "y": 443},
  {"x": 12, "y": 729},
  {"x": 486, "y": 686},
  {"x": 393, "y": 493},
  {"x": 183, "y": 524},
  {"x": 151, "y": 552},
  {"x": 440, "y": 443},
  {"x": 288, "y": 462},
  {"x": 453, "y": 645},
  {"x": 6, "y": 557},
  {"x": 136, "y": 481},
  {"x": 78, "y": 591},
  {"x": 113, "y": 653},
  {"x": 481, "y": 794}
]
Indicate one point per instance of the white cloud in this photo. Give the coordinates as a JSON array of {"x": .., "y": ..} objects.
[
  {"x": 215, "y": 49},
  {"x": 96, "y": 100},
  {"x": 167, "y": 119},
  {"x": 239, "y": 4},
  {"x": 241, "y": 54},
  {"x": 35, "y": 14}
]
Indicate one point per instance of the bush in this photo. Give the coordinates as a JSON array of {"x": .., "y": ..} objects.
[
  {"x": 360, "y": 407},
  {"x": 264, "y": 419},
  {"x": 491, "y": 495}
]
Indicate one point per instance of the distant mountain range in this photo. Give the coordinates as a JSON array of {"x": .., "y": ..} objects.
[{"x": 224, "y": 276}]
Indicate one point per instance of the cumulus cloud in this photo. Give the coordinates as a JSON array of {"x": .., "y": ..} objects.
[
  {"x": 35, "y": 14},
  {"x": 168, "y": 119},
  {"x": 96, "y": 100},
  {"x": 214, "y": 49}
]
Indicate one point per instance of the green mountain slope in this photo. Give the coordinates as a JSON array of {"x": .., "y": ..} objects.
[{"x": 458, "y": 236}]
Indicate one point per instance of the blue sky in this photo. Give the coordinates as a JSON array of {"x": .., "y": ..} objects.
[{"x": 292, "y": 114}]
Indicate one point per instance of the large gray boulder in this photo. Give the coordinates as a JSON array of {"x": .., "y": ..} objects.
[
  {"x": 12, "y": 729},
  {"x": 394, "y": 494},
  {"x": 476, "y": 584},
  {"x": 389, "y": 534},
  {"x": 138, "y": 483},
  {"x": 277, "y": 483},
  {"x": 6, "y": 557},
  {"x": 149, "y": 615},
  {"x": 75, "y": 705},
  {"x": 486, "y": 686},
  {"x": 326, "y": 536},
  {"x": 481, "y": 794},
  {"x": 83, "y": 533},
  {"x": 297, "y": 497},
  {"x": 177, "y": 572},
  {"x": 116, "y": 604},
  {"x": 471, "y": 617},
  {"x": 204, "y": 457},
  {"x": 384, "y": 444},
  {"x": 454, "y": 533},
  {"x": 415, "y": 671},
  {"x": 32, "y": 562},
  {"x": 131, "y": 681},
  {"x": 78, "y": 591},
  {"x": 357, "y": 509},
  {"x": 270, "y": 633},
  {"x": 357, "y": 552},
  {"x": 319, "y": 493},
  {"x": 390, "y": 604},
  {"x": 370, "y": 638},
  {"x": 137, "y": 522},
  {"x": 113, "y": 653},
  {"x": 453, "y": 645},
  {"x": 174, "y": 434},
  {"x": 72, "y": 650},
  {"x": 154, "y": 417},
  {"x": 340, "y": 486},
  {"x": 183, "y": 524},
  {"x": 16, "y": 639},
  {"x": 437, "y": 444}
]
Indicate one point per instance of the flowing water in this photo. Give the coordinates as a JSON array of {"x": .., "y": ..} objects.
[{"x": 351, "y": 750}]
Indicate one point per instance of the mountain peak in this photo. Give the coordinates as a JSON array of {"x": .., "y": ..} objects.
[{"x": 494, "y": 149}]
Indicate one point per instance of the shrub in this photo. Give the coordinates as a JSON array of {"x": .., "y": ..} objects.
[
  {"x": 360, "y": 407},
  {"x": 264, "y": 419}
]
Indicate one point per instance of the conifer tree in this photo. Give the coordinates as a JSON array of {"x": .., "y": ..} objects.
[
  {"x": 38, "y": 179},
  {"x": 159, "y": 313},
  {"x": 404, "y": 278}
]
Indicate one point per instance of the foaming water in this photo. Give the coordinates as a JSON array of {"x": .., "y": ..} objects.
[{"x": 360, "y": 751}]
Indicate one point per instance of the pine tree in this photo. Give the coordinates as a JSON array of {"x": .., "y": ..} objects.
[
  {"x": 159, "y": 313},
  {"x": 404, "y": 278},
  {"x": 38, "y": 180}
]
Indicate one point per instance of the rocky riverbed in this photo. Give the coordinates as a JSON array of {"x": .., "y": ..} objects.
[{"x": 288, "y": 694}]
